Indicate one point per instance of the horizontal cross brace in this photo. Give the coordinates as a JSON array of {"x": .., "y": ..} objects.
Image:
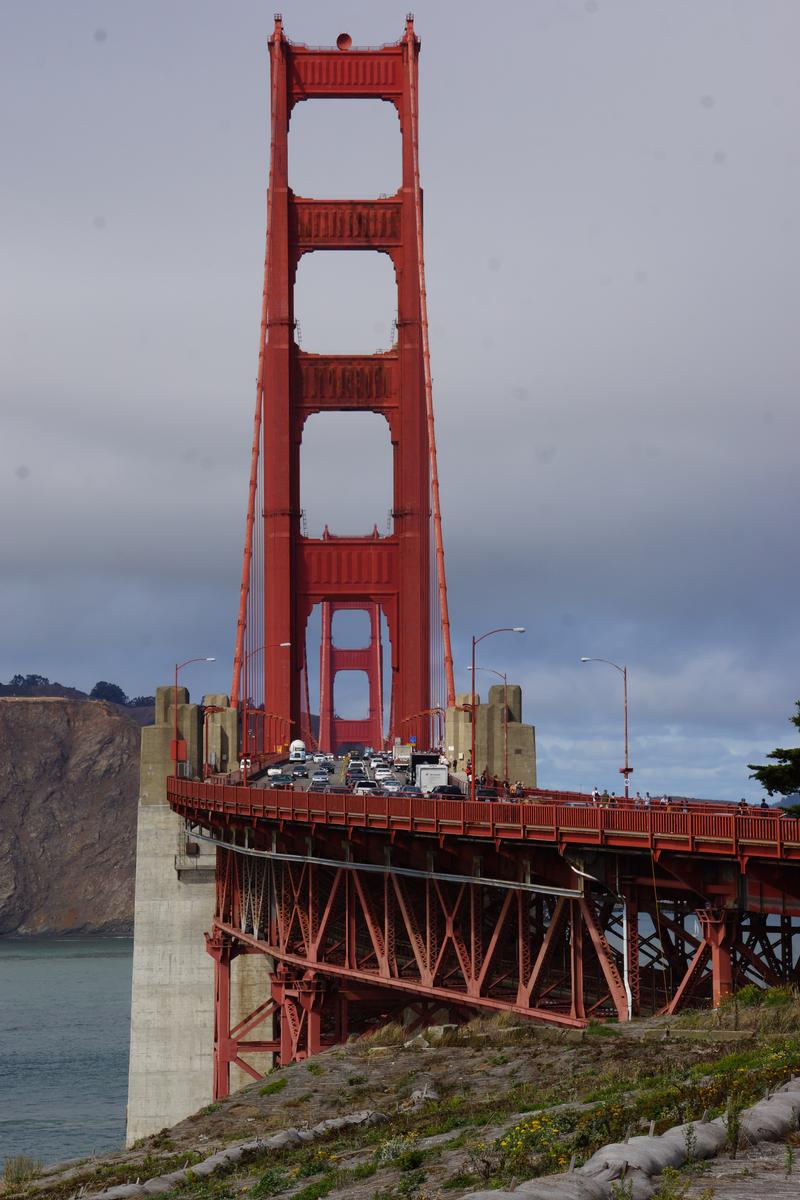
[{"x": 377, "y": 869}]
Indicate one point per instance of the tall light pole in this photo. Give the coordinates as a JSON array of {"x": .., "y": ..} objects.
[
  {"x": 179, "y": 667},
  {"x": 502, "y": 675},
  {"x": 475, "y": 640},
  {"x": 626, "y": 770}
]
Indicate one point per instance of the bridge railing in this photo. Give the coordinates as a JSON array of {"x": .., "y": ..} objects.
[{"x": 705, "y": 832}]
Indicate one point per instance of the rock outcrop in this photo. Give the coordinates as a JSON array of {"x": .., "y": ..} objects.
[{"x": 68, "y": 793}]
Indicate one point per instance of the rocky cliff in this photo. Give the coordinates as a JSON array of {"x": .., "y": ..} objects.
[{"x": 68, "y": 789}]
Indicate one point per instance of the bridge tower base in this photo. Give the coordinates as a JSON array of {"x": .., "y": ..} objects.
[{"x": 171, "y": 1069}]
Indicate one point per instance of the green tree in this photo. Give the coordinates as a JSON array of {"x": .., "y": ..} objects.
[
  {"x": 103, "y": 690},
  {"x": 784, "y": 776}
]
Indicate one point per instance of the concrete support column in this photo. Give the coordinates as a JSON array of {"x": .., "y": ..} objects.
[{"x": 172, "y": 1002}]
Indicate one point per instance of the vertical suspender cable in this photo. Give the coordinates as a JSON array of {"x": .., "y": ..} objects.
[
  {"x": 244, "y": 591},
  {"x": 426, "y": 362}
]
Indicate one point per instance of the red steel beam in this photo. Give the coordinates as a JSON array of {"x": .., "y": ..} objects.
[{"x": 695, "y": 835}]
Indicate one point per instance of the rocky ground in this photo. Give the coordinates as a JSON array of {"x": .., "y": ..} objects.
[
  {"x": 69, "y": 774},
  {"x": 458, "y": 1112}
]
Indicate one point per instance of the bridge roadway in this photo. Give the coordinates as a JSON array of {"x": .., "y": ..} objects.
[{"x": 553, "y": 818}]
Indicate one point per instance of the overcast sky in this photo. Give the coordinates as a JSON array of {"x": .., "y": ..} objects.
[{"x": 612, "y": 191}]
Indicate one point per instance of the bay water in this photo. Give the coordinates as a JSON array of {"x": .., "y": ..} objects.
[{"x": 64, "y": 1030}]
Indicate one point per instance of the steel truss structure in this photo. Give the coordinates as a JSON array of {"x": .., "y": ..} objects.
[{"x": 360, "y": 929}]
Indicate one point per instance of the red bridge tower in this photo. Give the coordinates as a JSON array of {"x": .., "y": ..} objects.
[{"x": 286, "y": 573}]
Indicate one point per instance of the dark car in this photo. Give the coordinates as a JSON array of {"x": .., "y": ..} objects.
[
  {"x": 337, "y": 790},
  {"x": 281, "y": 781},
  {"x": 318, "y": 786},
  {"x": 410, "y": 790},
  {"x": 299, "y": 772},
  {"x": 447, "y": 789},
  {"x": 328, "y": 766}
]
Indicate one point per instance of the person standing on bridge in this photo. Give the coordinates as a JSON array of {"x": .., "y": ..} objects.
[{"x": 595, "y": 796}]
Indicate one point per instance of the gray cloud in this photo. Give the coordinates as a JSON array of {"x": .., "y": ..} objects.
[{"x": 611, "y": 194}]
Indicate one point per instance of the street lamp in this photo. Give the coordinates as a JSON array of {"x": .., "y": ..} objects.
[
  {"x": 179, "y": 667},
  {"x": 626, "y": 770},
  {"x": 502, "y": 675},
  {"x": 475, "y": 640}
]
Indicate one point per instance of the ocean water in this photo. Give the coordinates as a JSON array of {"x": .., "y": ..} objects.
[{"x": 64, "y": 1029}]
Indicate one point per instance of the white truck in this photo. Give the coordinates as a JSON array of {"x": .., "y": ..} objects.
[
  {"x": 297, "y": 751},
  {"x": 431, "y": 775},
  {"x": 401, "y": 754}
]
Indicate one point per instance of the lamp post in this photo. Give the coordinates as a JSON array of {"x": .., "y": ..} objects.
[
  {"x": 245, "y": 717},
  {"x": 178, "y": 668},
  {"x": 475, "y": 640},
  {"x": 626, "y": 770},
  {"x": 502, "y": 675}
]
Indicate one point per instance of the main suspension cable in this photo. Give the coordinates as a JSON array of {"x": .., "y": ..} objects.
[
  {"x": 244, "y": 590},
  {"x": 426, "y": 364}
]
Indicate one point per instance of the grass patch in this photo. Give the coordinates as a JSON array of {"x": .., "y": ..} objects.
[
  {"x": 314, "y": 1068},
  {"x": 388, "y": 1035},
  {"x": 20, "y": 1167},
  {"x": 603, "y": 1029},
  {"x": 273, "y": 1087}
]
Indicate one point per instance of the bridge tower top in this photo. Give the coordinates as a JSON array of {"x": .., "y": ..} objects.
[{"x": 286, "y": 573}]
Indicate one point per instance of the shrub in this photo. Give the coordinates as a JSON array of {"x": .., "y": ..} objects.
[
  {"x": 272, "y": 1182},
  {"x": 780, "y": 995},
  {"x": 411, "y": 1160},
  {"x": 750, "y": 996},
  {"x": 273, "y": 1087},
  {"x": 536, "y": 1141},
  {"x": 394, "y": 1148}
]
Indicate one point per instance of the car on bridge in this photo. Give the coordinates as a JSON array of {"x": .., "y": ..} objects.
[
  {"x": 447, "y": 789},
  {"x": 299, "y": 773},
  {"x": 281, "y": 780}
]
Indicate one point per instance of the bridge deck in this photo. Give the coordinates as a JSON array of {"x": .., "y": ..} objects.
[{"x": 698, "y": 830}]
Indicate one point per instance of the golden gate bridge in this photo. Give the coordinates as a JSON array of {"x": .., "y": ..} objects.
[{"x": 378, "y": 907}]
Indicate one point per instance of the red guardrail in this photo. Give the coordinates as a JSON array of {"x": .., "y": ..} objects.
[{"x": 728, "y": 833}]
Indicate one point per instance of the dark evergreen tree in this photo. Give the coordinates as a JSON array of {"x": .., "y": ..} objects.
[
  {"x": 103, "y": 690},
  {"x": 784, "y": 775}
]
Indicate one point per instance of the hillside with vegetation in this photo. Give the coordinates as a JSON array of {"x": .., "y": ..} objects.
[{"x": 487, "y": 1110}]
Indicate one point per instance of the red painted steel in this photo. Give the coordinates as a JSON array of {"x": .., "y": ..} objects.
[
  {"x": 337, "y": 732},
  {"x": 558, "y": 912},
  {"x": 691, "y": 833},
  {"x": 392, "y": 573}
]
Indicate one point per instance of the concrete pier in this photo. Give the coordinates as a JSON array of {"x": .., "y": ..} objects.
[
  {"x": 172, "y": 1020},
  {"x": 494, "y": 722}
]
